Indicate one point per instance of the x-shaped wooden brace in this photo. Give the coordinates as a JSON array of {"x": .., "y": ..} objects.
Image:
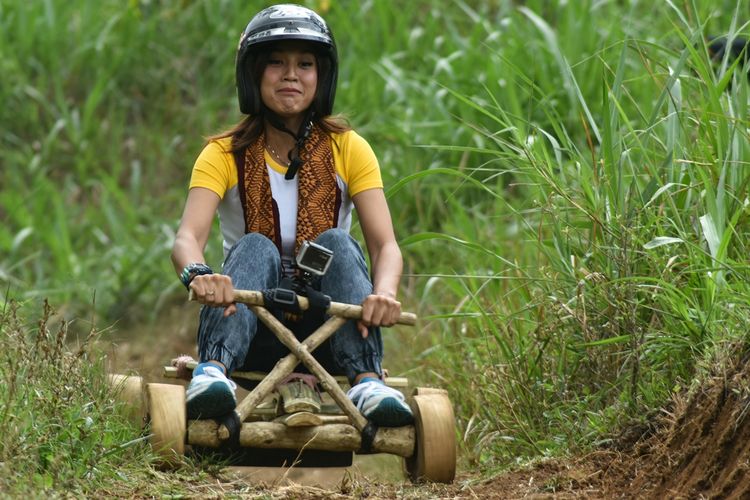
[{"x": 301, "y": 352}]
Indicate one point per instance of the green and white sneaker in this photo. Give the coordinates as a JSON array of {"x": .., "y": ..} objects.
[
  {"x": 382, "y": 405},
  {"x": 210, "y": 393}
]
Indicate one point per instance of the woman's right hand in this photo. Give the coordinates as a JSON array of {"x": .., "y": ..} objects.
[{"x": 215, "y": 290}]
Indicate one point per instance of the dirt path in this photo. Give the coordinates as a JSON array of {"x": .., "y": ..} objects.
[{"x": 697, "y": 448}]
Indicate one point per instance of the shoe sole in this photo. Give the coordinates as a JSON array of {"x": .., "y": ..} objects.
[
  {"x": 390, "y": 413},
  {"x": 215, "y": 401}
]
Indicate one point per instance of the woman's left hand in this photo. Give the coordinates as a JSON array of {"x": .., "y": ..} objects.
[{"x": 378, "y": 310}]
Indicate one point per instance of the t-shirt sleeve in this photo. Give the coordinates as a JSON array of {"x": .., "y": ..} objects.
[
  {"x": 213, "y": 169},
  {"x": 362, "y": 171}
]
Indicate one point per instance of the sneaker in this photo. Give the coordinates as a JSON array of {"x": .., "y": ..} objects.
[
  {"x": 297, "y": 396},
  {"x": 382, "y": 405},
  {"x": 210, "y": 393}
]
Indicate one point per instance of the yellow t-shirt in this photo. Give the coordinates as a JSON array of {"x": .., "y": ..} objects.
[{"x": 356, "y": 167}]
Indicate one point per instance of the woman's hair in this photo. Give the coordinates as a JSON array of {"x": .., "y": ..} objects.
[{"x": 250, "y": 128}]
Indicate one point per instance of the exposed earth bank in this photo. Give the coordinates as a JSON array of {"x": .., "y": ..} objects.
[{"x": 697, "y": 448}]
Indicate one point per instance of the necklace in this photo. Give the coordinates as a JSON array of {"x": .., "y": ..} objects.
[{"x": 276, "y": 155}]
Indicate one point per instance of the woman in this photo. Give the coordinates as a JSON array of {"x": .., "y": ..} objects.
[{"x": 287, "y": 173}]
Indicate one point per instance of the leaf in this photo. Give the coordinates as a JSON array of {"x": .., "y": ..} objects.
[
  {"x": 602, "y": 342},
  {"x": 571, "y": 85},
  {"x": 711, "y": 233},
  {"x": 441, "y": 171},
  {"x": 20, "y": 237},
  {"x": 661, "y": 190},
  {"x": 432, "y": 236},
  {"x": 661, "y": 241}
]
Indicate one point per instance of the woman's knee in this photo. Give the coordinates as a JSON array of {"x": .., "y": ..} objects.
[
  {"x": 348, "y": 266},
  {"x": 255, "y": 241},
  {"x": 337, "y": 240},
  {"x": 256, "y": 246},
  {"x": 253, "y": 263}
]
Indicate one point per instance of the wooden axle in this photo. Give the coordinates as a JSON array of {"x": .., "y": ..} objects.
[{"x": 331, "y": 437}]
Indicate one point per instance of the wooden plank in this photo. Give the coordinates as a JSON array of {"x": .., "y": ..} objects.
[
  {"x": 299, "y": 419},
  {"x": 332, "y": 437},
  {"x": 306, "y": 419}
]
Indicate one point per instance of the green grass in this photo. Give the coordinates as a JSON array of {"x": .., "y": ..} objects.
[
  {"x": 66, "y": 431},
  {"x": 568, "y": 180},
  {"x": 62, "y": 428},
  {"x": 621, "y": 217}
]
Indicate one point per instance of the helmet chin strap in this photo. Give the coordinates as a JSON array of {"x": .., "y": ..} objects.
[{"x": 295, "y": 162}]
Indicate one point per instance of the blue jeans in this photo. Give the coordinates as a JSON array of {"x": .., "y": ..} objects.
[{"x": 241, "y": 342}]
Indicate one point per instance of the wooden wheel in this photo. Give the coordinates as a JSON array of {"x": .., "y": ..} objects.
[
  {"x": 129, "y": 390},
  {"x": 434, "y": 458},
  {"x": 166, "y": 409}
]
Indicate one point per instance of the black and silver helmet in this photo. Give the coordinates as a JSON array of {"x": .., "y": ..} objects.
[{"x": 280, "y": 23}]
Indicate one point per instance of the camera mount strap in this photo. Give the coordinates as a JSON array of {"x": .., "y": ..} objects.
[
  {"x": 319, "y": 301},
  {"x": 283, "y": 297}
]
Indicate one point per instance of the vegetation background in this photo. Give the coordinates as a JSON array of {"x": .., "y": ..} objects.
[{"x": 569, "y": 183}]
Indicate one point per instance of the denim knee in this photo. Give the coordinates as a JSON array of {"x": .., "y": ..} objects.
[
  {"x": 348, "y": 257},
  {"x": 252, "y": 257},
  {"x": 256, "y": 244},
  {"x": 337, "y": 239}
]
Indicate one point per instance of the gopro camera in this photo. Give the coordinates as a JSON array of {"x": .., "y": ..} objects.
[{"x": 313, "y": 258}]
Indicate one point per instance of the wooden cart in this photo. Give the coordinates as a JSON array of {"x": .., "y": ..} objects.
[{"x": 428, "y": 447}]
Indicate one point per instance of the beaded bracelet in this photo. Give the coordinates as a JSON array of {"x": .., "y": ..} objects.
[{"x": 191, "y": 271}]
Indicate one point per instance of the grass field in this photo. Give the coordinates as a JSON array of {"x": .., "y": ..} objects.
[{"x": 569, "y": 183}]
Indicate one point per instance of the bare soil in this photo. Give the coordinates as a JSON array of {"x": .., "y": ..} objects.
[{"x": 698, "y": 447}]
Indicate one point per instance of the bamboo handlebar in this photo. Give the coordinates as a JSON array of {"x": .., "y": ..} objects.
[{"x": 348, "y": 311}]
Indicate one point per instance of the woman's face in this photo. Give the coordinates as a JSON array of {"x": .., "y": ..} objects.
[{"x": 289, "y": 80}]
